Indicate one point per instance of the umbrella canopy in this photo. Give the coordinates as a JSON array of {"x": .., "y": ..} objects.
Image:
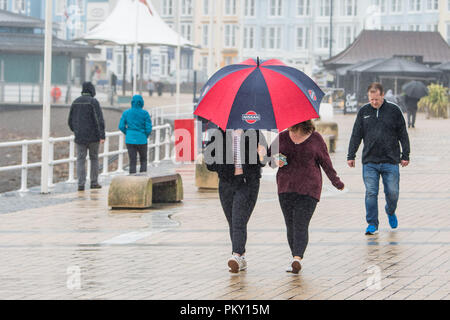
[
  {"x": 259, "y": 95},
  {"x": 415, "y": 89},
  {"x": 134, "y": 22}
]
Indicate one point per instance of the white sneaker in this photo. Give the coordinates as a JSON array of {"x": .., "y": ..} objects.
[
  {"x": 243, "y": 265},
  {"x": 236, "y": 264},
  {"x": 294, "y": 267}
]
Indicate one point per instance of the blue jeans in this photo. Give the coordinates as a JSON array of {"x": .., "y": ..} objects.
[{"x": 391, "y": 178}]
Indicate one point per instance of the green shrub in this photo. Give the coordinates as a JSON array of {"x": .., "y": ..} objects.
[{"x": 436, "y": 104}]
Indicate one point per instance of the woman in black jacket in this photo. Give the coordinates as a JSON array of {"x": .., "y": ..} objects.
[{"x": 234, "y": 156}]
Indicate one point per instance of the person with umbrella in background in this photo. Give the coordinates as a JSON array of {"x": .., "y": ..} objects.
[
  {"x": 250, "y": 96},
  {"x": 414, "y": 91}
]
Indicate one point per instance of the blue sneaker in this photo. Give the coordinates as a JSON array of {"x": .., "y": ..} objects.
[
  {"x": 371, "y": 230},
  {"x": 393, "y": 222}
]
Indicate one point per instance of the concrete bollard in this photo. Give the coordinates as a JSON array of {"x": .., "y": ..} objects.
[
  {"x": 329, "y": 131},
  {"x": 205, "y": 179}
]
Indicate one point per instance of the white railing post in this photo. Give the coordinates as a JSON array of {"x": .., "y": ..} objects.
[
  {"x": 105, "y": 156},
  {"x": 71, "y": 160},
  {"x": 157, "y": 144},
  {"x": 121, "y": 145},
  {"x": 24, "y": 177},
  {"x": 51, "y": 153},
  {"x": 167, "y": 144}
]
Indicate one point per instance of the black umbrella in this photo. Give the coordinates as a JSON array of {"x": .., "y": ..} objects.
[{"x": 415, "y": 89}]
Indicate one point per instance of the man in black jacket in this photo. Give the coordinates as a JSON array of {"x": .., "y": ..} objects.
[
  {"x": 86, "y": 122},
  {"x": 380, "y": 124}
]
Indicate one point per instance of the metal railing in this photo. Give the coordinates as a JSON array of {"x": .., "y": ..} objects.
[{"x": 154, "y": 146}]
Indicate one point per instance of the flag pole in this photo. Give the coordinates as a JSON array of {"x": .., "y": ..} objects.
[
  {"x": 177, "y": 60},
  {"x": 135, "y": 49},
  {"x": 46, "y": 97}
]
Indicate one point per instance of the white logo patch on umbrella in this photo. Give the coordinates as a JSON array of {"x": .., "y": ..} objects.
[{"x": 251, "y": 117}]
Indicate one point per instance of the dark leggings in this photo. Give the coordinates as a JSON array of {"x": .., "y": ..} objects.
[
  {"x": 238, "y": 198},
  {"x": 133, "y": 150},
  {"x": 297, "y": 210}
]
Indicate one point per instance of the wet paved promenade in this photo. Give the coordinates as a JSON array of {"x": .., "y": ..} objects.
[{"x": 68, "y": 245}]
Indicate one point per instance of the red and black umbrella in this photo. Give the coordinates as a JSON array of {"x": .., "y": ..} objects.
[{"x": 259, "y": 95}]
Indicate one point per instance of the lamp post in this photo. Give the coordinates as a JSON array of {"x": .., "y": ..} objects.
[{"x": 46, "y": 97}]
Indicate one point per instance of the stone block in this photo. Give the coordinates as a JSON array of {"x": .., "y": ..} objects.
[
  {"x": 205, "y": 179},
  {"x": 141, "y": 191}
]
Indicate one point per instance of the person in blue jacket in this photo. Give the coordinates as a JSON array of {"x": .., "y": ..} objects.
[{"x": 136, "y": 124}]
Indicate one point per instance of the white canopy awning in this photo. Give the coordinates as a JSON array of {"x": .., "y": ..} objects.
[{"x": 134, "y": 22}]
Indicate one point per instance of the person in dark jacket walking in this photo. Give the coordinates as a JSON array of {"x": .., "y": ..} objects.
[
  {"x": 302, "y": 153},
  {"x": 234, "y": 156},
  {"x": 86, "y": 122},
  {"x": 136, "y": 124},
  {"x": 411, "y": 110},
  {"x": 381, "y": 126}
]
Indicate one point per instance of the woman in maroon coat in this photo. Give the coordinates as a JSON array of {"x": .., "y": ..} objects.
[{"x": 302, "y": 152}]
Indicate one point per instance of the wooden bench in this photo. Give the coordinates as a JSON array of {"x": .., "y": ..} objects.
[{"x": 141, "y": 191}]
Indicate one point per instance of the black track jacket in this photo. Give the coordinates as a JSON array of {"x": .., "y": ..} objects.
[{"x": 382, "y": 131}]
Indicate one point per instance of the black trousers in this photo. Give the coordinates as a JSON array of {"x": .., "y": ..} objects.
[
  {"x": 298, "y": 211},
  {"x": 411, "y": 118},
  {"x": 238, "y": 198},
  {"x": 133, "y": 150}
]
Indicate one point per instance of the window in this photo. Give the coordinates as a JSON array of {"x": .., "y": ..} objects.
[
  {"x": 432, "y": 5},
  {"x": 230, "y": 35},
  {"x": 186, "y": 7},
  {"x": 415, "y": 5},
  {"x": 274, "y": 38},
  {"x": 346, "y": 36},
  {"x": 249, "y": 8},
  {"x": 205, "y": 7},
  {"x": 205, "y": 35},
  {"x": 303, "y": 7},
  {"x": 263, "y": 38},
  {"x": 147, "y": 64},
  {"x": 432, "y": 27},
  {"x": 381, "y": 4},
  {"x": 3, "y": 4},
  {"x": 396, "y": 6},
  {"x": 249, "y": 38},
  {"x": 164, "y": 64},
  {"x": 414, "y": 27},
  {"x": 230, "y": 7},
  {"x": 119, "y": 64},
  {"x": 186, "y": 31},
  {"x": 323, "y": 35},
  {"x": 59, "y": 7},
  {"x": 302, "y": 38},
  {"x": 167, "y": 8},
  {"x": 276, "y": 8},
  {"x": 19, "y": 6},
  {"x": 205, "y": 64},
  {"x": 348, "y": 7},
  {"x": 324, "y": 8}
]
